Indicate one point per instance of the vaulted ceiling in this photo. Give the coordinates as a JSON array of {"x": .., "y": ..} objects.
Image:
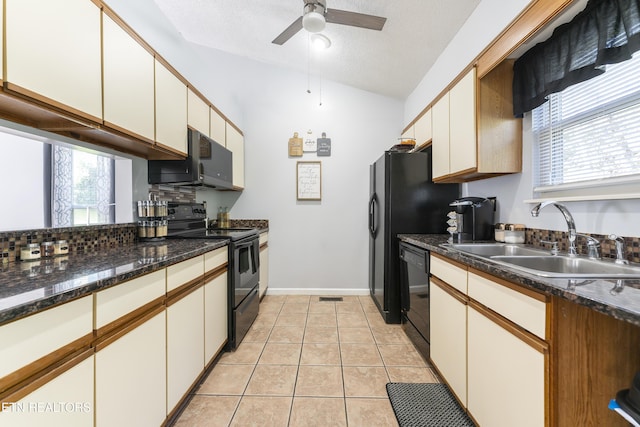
[{"x": 390, "y": 62}]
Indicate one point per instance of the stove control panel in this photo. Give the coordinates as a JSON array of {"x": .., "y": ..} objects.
[{"x": 186, "y": 211}]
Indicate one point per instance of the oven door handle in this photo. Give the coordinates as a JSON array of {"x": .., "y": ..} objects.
[{"x": 254, "y": 247}]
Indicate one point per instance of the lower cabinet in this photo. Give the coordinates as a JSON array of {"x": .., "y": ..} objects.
[
  {"x": 131, "y": 377},
  {"x": 65, "y": 401},
  {"x": 185, "y": 345},
  {"x": 506, "y": 374},
  {"x": 489, "y": 344},
  {"x": 448, "y": 319},
  {"x": 215, "y": 316},
  {"x": 264, "y": 264}
]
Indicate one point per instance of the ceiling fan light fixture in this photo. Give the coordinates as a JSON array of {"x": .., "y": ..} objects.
[
  {"x": 320, "y": 41},
  {"x": 313, "y": 22}
]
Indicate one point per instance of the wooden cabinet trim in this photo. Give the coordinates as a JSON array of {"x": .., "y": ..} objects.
[
  {"x": 459, "y": 296},
  {"x": 32, "y": 376},
  {"x": 183, "y": 290},
  {"x": 515, "y": 330},
  {"x": 126, "y": 327},
  {"x": 524, "y": 26},
  {"x": 216, "y": 272},
  {"x": 20, "y": 91},
  {"x": 528, "y": 292},
  {"x": 125, "y": 321}
]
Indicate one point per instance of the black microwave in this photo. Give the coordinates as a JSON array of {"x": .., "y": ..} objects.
[{"x": 207, "y": 164}]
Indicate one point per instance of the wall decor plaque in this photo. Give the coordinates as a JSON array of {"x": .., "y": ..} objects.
[
  {"x": 295, "y": 145},
  {"x": 309, "y": 180},
  {"x": 310, "y": 145},
  {"x": 324, "y": 146}
]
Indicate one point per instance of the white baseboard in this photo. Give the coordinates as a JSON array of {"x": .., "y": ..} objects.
[{"x": 315, "y": 291}]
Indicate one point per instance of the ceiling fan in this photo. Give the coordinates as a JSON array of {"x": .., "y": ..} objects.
[{"x": 316, "y": 15}]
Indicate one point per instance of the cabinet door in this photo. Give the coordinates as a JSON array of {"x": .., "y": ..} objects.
[
  {"x": 506, "y": 376},
  {"x": 218, "y": 127},
  {"x": 27, "y": 340},
  {"x": 235, "y": 143},
  {"x": 185, "y": 345},
  {"x": 131, "y": 377},
  {"x": 171, "y": 110},
  {"x": 197, "y": 113},
  {"x": 215, "y": 316},
  {"x": 264, "y": 271},
  {"x": 448, "y": 320},
  {"x": 440, "y": 142},
  {"x": 65, "y": 401},
  {"x": 462, "y": 125},
  {"x": 53, "y": 50},
  {"x": 128, "y": 82},
  {"x": 423, "y": 128}
]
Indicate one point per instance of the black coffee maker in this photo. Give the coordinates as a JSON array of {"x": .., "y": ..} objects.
[{"x": 474, "y": 218}]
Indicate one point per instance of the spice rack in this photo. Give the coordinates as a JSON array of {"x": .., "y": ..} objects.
[{"x": 152, "y": 224}]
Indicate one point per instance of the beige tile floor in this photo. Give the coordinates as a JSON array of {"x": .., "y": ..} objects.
[{"x": 307, "y": 362}]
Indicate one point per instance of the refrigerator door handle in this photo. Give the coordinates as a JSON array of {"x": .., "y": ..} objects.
[{"x": 373, "y": 217}]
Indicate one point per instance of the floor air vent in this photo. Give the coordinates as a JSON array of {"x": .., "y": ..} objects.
[{"x": 333, "y": 299}]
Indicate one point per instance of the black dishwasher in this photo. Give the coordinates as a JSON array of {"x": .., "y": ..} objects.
[{"x": 414, "y": 295}]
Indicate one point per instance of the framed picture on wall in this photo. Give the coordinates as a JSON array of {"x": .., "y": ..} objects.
[{"x": 309, "y": 180}]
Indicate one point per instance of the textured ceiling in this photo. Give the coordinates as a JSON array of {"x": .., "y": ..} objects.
[{"x": 390, "y": 62}]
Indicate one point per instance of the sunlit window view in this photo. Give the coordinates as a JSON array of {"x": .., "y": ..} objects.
[{"x": 83, "y": 188}]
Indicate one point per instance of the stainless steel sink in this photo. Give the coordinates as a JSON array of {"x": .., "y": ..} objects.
[
  {"x": 486, "y": 250},
  {"x": 541, "y": 263},
  {"x": 570, "y": 267}
]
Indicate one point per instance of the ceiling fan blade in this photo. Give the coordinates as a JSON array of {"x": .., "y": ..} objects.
[
  {"x": 289, "y": 32},
  {"x": 355, "y": 19}
]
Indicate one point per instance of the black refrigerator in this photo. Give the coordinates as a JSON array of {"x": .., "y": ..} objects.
[{"x": 402, "y": 200}]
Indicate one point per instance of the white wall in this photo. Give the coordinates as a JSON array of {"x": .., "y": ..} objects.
[
  {"x": 312, "y": 245},
  {"x": 486, "y": 22}
]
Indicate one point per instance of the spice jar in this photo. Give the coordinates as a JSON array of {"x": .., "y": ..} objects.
[
  {"x": 514, "y": 233},
  {"x": 499, "y": 232},
  {"x": 47, "y": 249},
  {"x": 61, "y": 247},
  {"x": 30, "y": 251}
]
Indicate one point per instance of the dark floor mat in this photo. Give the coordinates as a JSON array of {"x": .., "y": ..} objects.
[{"x": 426, "y": 405}]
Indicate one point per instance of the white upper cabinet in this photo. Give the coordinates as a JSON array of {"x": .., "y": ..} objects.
[
  {"x": 171, "y": 110},
  {"x": 235, "y": 143},
  {"x": 53, "y": 52},
  {"x": 422, "y": 128},
  {"x": 440, "y": 143},
  {"x": 462, "y": 124},
  {"x": 128, "y": 82},
  {"x": 218, "y": 128},
  {"x": 198, "y": 113}
]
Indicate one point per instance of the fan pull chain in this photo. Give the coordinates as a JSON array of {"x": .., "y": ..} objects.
[{"x": 308, "y": 63}]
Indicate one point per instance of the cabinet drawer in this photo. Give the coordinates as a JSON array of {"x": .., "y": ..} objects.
[
  {"x": 120, "y": 300},
  {"x": 215, "y": 259},
  {"x": 449, "y": 273},
  {"x": 27, "y": 340},
  {"x": 528, "y": 311},
  {"x": 184, "y": 272}
]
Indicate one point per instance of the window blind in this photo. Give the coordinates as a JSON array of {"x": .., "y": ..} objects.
[{"x": 590, "y": 132}]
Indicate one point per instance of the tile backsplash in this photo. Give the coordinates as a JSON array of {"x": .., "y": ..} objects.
[
  {"x": 80, "y": 239},
  {"x": 535, "y": 236}
]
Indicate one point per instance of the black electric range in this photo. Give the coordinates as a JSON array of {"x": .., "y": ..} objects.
[{"x": 189, "y": 221}]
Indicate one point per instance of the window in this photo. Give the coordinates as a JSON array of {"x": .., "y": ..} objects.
[
  {"x": 589, "y": 134},
  {"x": 53, "y": 181},
  {"x": 82, "y": 187}
]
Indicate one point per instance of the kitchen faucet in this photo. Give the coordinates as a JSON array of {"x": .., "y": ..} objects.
[{"x": 571, "y": 225}]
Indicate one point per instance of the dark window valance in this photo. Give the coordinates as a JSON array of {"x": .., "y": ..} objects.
[{"x": 605, "y": 32}]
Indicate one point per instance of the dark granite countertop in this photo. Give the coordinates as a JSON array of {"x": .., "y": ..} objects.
[
  {"x": 618, "y": 300},
  {"x": 31, "y": 286}
]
